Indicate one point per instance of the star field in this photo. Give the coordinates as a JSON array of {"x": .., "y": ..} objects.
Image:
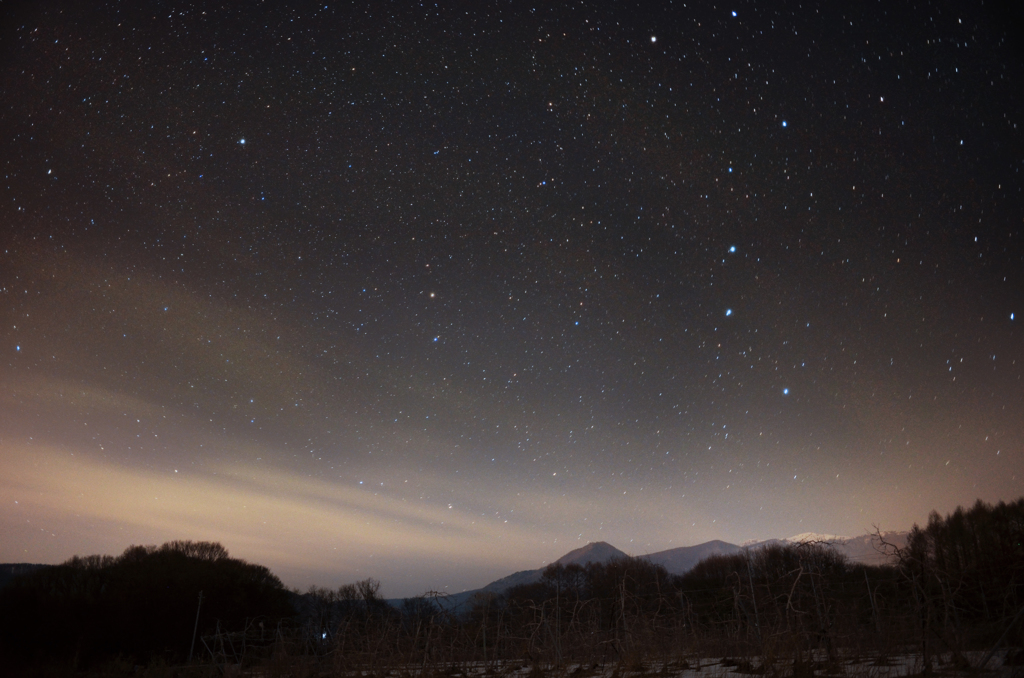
[{"x": 433, "y": 293}]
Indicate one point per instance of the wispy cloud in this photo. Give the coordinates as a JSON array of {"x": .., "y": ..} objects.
[{"x": 282, "y": 519}]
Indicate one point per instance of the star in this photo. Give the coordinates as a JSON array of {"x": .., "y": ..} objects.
[{"x": 297, "y": 273}]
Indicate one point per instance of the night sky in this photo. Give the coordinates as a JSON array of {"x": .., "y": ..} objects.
[{"x": 436, "y": 293}]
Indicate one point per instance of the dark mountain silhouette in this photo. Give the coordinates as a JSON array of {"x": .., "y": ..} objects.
[
  {"x": 594, "y": 552},
  {"x": 683, "y": 559},
  {"x": 515, "y": 579}
]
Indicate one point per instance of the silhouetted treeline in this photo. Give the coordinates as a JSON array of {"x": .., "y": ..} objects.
[
  {"x": 957, "y": 585},
  {"x": 965, "y": 576},
  {"x": 354, "y": 620},
  {"x": 782, "y": 598},
  {"x": 139, "y": 605},
  {"x": 11, "y": 570},
  {"x": 777, "y": 603}
]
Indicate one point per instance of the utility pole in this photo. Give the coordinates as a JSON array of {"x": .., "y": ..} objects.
[{"x": 196, "y": 628}]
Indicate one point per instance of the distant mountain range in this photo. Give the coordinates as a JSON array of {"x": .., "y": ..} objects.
[
  {"x": 683, "y": 559},
  {"x": 677, "y": 561},
  {"x": 862, "y": 549}
]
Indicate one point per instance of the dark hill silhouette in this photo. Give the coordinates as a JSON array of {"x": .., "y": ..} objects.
[{"x": 141, "y": 604}]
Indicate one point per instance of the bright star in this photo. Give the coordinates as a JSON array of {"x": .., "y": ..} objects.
[
  {"x": 654, "y": 38},
  {"x": 733, "y": 248},
  {"x": 785, "y": 391},
  {"x": 783, "y": 123},
  {"x": 242, "y": 141}
]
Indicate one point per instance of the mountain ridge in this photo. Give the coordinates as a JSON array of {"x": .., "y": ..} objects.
[
  {"x": 682, "y": 559},
  {"x": 678, "y": 560}
]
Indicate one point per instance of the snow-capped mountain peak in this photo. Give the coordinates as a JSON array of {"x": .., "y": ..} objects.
[{"x": 805, "y": 537}]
